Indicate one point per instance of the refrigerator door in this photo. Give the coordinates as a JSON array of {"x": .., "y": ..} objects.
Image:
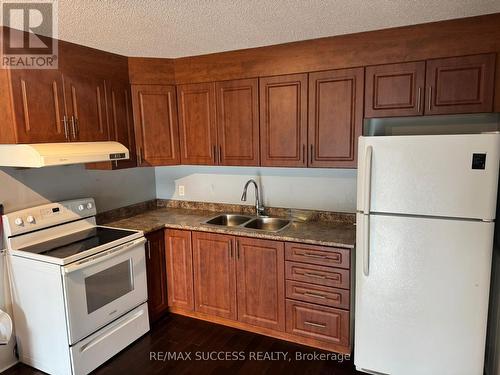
[
  {"x": 429, "y": 175},
  {"x": 423, "y": 305}
]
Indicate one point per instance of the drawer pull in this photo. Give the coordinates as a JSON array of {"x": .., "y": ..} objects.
[
  {"x": 314, "y": 295},
  {"x": 314, "y": 275},
  {"x": 336, "y": 257},
  {"x": 313, "y": 324}
]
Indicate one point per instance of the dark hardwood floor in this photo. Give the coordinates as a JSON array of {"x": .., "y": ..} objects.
[{"x": 176, "y": 333}]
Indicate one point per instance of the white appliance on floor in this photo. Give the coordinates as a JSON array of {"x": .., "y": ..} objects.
[
  {"x": 425, "y": 222},
  {"x": 79, "y": 290}
]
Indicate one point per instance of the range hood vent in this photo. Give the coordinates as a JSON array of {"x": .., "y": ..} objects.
[{"x": 39, "y": 155}]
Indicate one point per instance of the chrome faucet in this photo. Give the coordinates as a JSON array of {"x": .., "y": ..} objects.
[{"x": 259, "y": 207}]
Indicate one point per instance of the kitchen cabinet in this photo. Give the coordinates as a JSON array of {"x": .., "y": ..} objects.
[
  {"x": 460, "y": 84},
  {"x": 238, "y": 122},
  {"x": 260, "y": 280},
  {"x": 197, "y": 123},
  {"x": 395, "y": 89},
  {"x": 283, "y": 120},
  {"x": 156, "y": 275},
  {"x": 155, "y": 124},
  {"x": 335, "y": 117},
  {"x": 214, "y": 274},
  {"x": 179, "y": 257},
  {"x": 452, "y": 85},
  {"x": 85, "y": 107},
  {"x": 38, "y": 103}
]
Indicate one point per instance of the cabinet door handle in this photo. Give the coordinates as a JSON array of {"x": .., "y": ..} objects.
[
  {"x": 230, "y": 249},
  {"x": 73, "y": 127},
  {"x": 139, "y": 156},
  {"x": 311, "y": 156},
  {"x": 77, "y": 129},
  {"x": 220, "y": 154},
  {"x": 314, "y": 275},
  {"x": 309, "y": 294},
  {"x": 149, "y": 249},
  {"x": 215, "y": 154},
  {"x": 430, "y": 97},
  {"x": 238, "y": 249},
  {"x": 314, "y": 324},
  {"x": 304, "y": 154},
  {"x": 419, "y": 99},
  {"x": 65, "y": 123}
]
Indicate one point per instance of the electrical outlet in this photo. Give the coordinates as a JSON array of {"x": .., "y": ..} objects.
[{"x": 181, "y": 191}]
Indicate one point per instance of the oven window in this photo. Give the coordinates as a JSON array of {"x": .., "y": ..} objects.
[{"x": 108, "y": 285}]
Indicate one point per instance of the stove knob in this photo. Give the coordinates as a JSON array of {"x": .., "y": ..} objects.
[
  {"x": 80, "y": 207},
  {"x": 90, "y": 205},
  {"x": 18, "y": 221},
  {"x": 30, "y": 219}
]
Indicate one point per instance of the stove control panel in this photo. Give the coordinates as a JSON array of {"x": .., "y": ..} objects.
[{"x": 47, "y": 215}]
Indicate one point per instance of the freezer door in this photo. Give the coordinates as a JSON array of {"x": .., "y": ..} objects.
[
  {"x": 438, "y": 175},
  {"x": 422, "y": 308}
]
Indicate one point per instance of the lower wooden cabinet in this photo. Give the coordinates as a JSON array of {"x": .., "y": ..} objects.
[
  {"x": 214, "y": 274},
  {"x": 179, "y": 257},
  {"x": 156, "y": 275},
  {"x": 261, "y": 282}
]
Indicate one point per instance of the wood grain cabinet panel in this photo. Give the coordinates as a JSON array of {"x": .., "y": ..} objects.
[
  {"x": 317, "y": 322},
  {"x": 86, "y": 108},
  {"x": 155, "y": 124},
  {"x": 179, "y": 257},
  {"x": 395, "y": 90},
  {"x": 156, "y": 275},
  {"x": 283, "y": 120},
  {"x": 238, "y": 122},
  {"x": 38, "y": 102},
  {"x": 214, "y": 274},
  {"x": 197, "y": 123},
  {"x": 335, "y": 117},
  {"x": 260, "y": 280},
  {"x": 460, "y": 84}
]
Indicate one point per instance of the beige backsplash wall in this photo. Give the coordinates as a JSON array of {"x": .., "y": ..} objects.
[{"x": 320, "y": 189}]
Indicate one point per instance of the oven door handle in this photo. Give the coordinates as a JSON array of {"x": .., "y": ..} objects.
[{"x": 93, "y": 260}]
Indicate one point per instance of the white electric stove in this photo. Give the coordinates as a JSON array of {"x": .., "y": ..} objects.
[{"x": 79, "y": 290}]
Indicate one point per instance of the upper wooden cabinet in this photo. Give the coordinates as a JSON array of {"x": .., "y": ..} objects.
[
  {"x": 283, "y": 120},
  {"x": 335, "y": 117},
  {"x": 395, "y": 89},
  {"x": 155, "y": 124},
  {"x": 197, "y": 127},
  {"x": 214, "y": 274},
  {"x": 442, "y": 86},
  {"x": 238, "y": 122},
  {"x": 460, "y": 84},
  {"x": 156, "y": 275},
  {"x": 179, "y": 255},
  {"x": 86, "y": 106},
  {"x": 261, "y": 282},
  {"x": 38, "y": 102}
]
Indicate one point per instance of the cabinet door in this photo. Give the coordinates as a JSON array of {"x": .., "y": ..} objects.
[
  {"x": 395, "y": 90},
  {"x": 179, "y": 255},
  {"x": 283, "y": 120},
  {"x": 261, "y": 283},
  {"x": 121, "y": 125},
  {"x": 198, "y": 132},
  {"x": 214, "y": 274},
  {"x": 335, "y": 117},
  {"x": 238, "y": 122},
  {"x": 156, "y": 275},
  {"x": 460, "y": 84},
  {"x": 155, "y": 124},
  {"x": 38, "y": 106},
  {"x": 85, "y": 103}
]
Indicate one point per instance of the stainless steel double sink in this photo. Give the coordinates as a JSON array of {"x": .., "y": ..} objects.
[{"x": 263, "y": 223}]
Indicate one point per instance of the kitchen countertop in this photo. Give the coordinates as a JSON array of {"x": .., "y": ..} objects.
[{"x": 313, "y": 232}]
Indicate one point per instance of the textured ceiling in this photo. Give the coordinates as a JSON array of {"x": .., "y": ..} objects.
[{"x": 175, "y": 28}]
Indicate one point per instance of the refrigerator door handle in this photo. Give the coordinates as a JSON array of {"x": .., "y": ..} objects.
[
  {"x": 367, "y": 180},
  {"x": 366, "y": 245}
]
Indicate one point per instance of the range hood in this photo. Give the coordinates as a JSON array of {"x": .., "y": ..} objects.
[{"x": 39, "y": 155}]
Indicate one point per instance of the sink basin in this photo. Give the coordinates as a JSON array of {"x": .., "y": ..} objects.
[
  {"x": 228, "y": 220},
  {"x": 272, "y": 224}
]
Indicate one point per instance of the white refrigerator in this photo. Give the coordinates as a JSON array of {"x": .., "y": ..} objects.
[{"x": 425, "y": 222}]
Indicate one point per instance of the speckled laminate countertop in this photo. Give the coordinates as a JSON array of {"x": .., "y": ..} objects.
[{"x": 313, "y": 232}]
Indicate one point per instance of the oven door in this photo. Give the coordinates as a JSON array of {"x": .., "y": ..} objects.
[{"x": 101, "y": 288}]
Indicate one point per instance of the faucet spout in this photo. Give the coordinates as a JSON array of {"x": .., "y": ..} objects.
[{"x": 259, "y": 207}]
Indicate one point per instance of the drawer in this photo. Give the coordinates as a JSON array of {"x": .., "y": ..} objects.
[
  {"x": 317, "y": 322},
  {"x": 327, "y": 276},
  {"x": 321, "y": 255},
  {"x": 322, "y": 295}
]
